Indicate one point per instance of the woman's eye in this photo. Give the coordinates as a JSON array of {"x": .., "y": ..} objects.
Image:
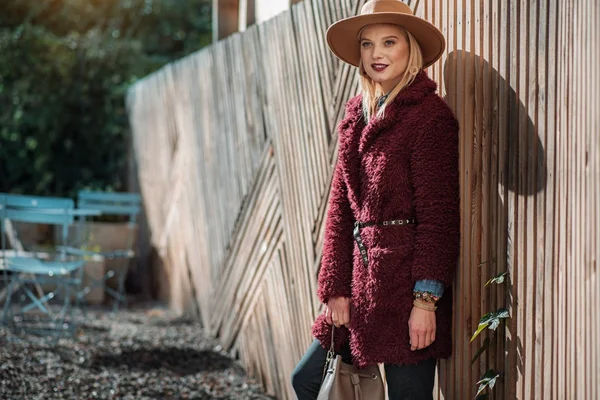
[
  {"x": 366, "y": 44},
  {"x": 389, "y": 42}
]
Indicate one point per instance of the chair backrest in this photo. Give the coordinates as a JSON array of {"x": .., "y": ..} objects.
[
  {"x": 36, "y": 210},
  {"x": 128, "y": 204},
  {"x": 21, "y": 200}
]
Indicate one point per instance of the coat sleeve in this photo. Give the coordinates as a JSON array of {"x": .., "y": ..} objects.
[
  {"x": 335, "y": 274},
  {"x": 435, "y": 179}
]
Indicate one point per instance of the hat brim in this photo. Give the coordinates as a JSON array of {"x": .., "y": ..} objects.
[{"x": 342, "y": 36}]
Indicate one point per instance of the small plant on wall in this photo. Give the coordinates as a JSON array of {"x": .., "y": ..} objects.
[{"x": 491, "y": 321}]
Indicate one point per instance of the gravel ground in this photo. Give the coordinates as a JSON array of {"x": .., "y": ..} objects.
[{"x": 139, "y": 354}]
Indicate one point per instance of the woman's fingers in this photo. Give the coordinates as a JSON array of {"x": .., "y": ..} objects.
[
  {"x": 340, "y": 311},
  {"x": 414, "y": 338},
  {"x": 427, "y": 340},
  {"x": 426, "y": 337},
  {"x": 345, "y": 315},
  {"x": 335, "y": 318},
  {"x": 421, "y": 325},
  {"x": 430, "y": 334},
  {"x": 422, "y": 337},
  {"x": 328, "y": 315},
  {"x": 332, "y": 316},
  {"x": 338, "y": 319}
]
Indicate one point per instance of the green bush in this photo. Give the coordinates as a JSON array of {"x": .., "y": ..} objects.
[{"x": 64, "y": 69}]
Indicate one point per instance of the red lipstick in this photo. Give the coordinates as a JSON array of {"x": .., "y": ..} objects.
[{"x": 378, "y": 67}]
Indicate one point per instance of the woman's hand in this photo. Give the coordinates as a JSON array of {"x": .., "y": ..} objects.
[
  {"x": 337, "y": 311},
  {"x": 421, "y": 327}
]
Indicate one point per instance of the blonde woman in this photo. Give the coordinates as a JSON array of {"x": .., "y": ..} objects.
[{"x": 392, "y": 231}]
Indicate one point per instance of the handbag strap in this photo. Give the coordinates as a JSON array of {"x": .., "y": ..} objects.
[
  {"x": 355, "y": 379},
  {"x": 331, "y": 353}
]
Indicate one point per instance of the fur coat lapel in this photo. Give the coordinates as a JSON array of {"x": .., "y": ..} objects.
[{"x": 356, "y": 138}]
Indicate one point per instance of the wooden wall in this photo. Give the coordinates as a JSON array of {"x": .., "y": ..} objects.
[{"x": 235, "y": 147}]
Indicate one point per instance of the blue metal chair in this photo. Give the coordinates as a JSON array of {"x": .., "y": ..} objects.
[
  {"x": 62, "y": 272},
  {"x": 37, "y": 202},
  {"x": 126, "y": 205}
]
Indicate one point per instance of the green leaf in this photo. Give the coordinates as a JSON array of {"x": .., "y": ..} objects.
[
  {"x": 31, "y": 143},
  {"x": 489, "y": 375},
  {"x": 490, "y": 320},
  {"x": 492, "y": 382},
  {"x": 488, "y": 380},
  {"x": 500, "y": 314},
  {"x": 494, "y": 324},
  {"x": 480, "y": 389},
  {"x": 483, "y": 323},
  {"x": 487, "y": 317},
  {"x": 498, "y": 279},
  {"x": 484, "y": 347},
  {"x": 18, "y": 114},
  {"x": 480, "y": 329}
]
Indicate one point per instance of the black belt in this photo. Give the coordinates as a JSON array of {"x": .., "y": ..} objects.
[{"x": 358, "y": 225}]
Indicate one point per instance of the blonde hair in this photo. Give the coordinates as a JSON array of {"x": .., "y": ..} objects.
[{"x": 371, "y": 90}]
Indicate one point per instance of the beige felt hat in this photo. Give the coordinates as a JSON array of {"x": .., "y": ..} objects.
[{"x": 342, "y": 36}]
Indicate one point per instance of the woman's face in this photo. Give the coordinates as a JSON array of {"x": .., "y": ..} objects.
[{"x": 384, "y": 52}]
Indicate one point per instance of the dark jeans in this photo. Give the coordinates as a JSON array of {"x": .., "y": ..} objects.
[{"x": 405, "y": 382}]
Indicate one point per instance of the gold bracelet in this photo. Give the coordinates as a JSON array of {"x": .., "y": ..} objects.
[
  {"x": 424, "y": 306},
  {"x": 425, "y": 296}
]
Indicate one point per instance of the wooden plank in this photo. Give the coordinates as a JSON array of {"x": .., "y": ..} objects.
[
  {"x": 579, "y": 114},
  {"x": 546, "y": 205},
  {"x": 307, "y": 86},
  {"x": 595, "y": 195},
  {"x": 296, "y": 203},
  {"x": 467, "y": 325},
  {"x": 562, "y": 232}
]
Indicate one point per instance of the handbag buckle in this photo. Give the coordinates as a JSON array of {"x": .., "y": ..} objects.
[{"x": 330, "y": 355}]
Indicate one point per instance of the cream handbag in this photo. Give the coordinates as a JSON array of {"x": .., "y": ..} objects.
[{"x": 343, "y": 381}]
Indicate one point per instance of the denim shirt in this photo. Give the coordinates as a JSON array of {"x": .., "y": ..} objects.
[{"x": 434, "y": 287}]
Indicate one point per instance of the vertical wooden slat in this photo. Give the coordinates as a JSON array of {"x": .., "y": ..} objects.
[
  {"x": 452, "y": 372},
  {"x": 530, "y": 195},
  {"x": 594, "y": 176},
  {"x": 463, "y": 292},
  {"x": 496, "y": 152},
  {"x": 572, "y": 215},
  {"x": 545, "y": 274},
  {"x": 579, "y": 220},
  {"x": 559, "y": 303},
  {"x": 514, "y": 333}
]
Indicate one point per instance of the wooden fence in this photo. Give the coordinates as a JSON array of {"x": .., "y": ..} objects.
[{"x": 235, "y": 146}]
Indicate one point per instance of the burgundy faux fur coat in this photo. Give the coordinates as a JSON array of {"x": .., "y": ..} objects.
[{"x": 402, "y": 166}]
